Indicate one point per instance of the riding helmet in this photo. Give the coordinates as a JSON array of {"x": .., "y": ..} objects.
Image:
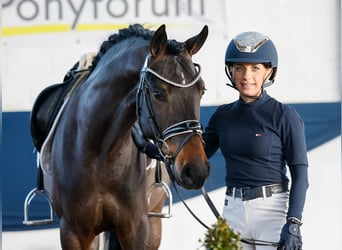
[{"x": 251, "y": 47}]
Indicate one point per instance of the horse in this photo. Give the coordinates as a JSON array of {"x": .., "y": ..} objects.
[{"x": 99, "y": 177}]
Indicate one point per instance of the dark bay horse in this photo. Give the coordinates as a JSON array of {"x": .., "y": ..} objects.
[{"x": 99, "y": 176}]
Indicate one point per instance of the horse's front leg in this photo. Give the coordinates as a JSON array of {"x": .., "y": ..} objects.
[
  {"x": 155, "y": 222},
  {"x": 75, "y": 239},
  {"x": 156, "y": 203},
  {"x": 133, "y": 234},
  {"x": 155, "y": 233},
  {"x": 95, "y": 245}
]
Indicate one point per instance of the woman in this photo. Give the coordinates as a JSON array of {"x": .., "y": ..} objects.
[{"x": 258, "y": 136}]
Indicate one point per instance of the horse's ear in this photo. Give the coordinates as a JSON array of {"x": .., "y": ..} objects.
[
  {"x": 158, "y": 42},
  {"x": 193, "y": 45}
]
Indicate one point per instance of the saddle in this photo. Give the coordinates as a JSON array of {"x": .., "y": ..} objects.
[{"x": 50, "y": 100}]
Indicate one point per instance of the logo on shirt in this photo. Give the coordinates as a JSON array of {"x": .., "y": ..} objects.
[{"x": 258, "y": 135}]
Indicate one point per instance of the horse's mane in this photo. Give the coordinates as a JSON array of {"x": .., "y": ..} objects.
[{"x": 134, "y": 30}]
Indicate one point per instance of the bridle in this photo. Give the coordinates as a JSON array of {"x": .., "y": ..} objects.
[{"x": 188, "y": 128}]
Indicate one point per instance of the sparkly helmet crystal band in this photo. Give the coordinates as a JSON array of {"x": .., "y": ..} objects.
[{"x": 251, "y": 47}]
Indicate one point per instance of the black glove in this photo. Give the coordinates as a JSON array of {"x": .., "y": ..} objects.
[
  {"x": 290, "y": 237},
  {"x": 144, "y": 145}
]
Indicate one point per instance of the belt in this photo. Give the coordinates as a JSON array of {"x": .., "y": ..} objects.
[{"x": 250, "y": 193}]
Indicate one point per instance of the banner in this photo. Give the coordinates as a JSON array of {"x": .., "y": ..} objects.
[
  {"x": 44, "y": 38},
  {"x": 44, "y": 16}
]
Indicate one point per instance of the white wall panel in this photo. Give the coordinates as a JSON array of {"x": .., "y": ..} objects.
[{"x": 307, "y": 34}]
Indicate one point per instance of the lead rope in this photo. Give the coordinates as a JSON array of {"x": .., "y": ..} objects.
[{"x": 210, "y": 203}]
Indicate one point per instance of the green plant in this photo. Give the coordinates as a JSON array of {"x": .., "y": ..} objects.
[{"x": 221, "y": 237}]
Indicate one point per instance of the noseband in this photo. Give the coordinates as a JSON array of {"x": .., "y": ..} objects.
[{"x": 188, "y": 127}]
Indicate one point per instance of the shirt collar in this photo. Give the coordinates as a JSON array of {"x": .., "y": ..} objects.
[{"x": 262, "y": 98}]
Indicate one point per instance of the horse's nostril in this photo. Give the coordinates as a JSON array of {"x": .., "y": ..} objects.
[
  {"x": 187, "y": 172},
  {"x": 193, "y": 176}
]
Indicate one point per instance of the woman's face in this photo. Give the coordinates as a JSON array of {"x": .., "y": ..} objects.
[{"x": 249, "y": 78}]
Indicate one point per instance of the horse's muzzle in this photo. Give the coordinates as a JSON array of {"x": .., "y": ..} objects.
[{"x": 193, "y": 176}]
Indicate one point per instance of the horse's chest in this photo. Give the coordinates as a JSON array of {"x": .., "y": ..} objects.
[{"x": 124, "y": 164}]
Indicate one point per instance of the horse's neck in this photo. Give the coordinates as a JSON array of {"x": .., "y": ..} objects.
[
  {"x": 123, "y": 119},
  {"x": 109, "y": 102},
  {"x": 115, "y": 79}
]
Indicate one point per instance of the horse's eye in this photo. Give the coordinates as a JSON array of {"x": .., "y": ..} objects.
[{"x": 159, "y": 95}]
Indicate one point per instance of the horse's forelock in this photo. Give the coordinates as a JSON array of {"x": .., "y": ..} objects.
[{"x": 173, "y": 47}]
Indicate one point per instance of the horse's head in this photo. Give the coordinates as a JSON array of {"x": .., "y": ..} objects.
[{"x": 169, "y": 96}]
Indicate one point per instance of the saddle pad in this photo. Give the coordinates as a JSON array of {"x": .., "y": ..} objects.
[{"x": 45, "y": 152}]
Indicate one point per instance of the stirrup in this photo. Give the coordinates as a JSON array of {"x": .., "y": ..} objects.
[
  {"x": 35, "y": 192},
  {"x": 168, "y": 193}
]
